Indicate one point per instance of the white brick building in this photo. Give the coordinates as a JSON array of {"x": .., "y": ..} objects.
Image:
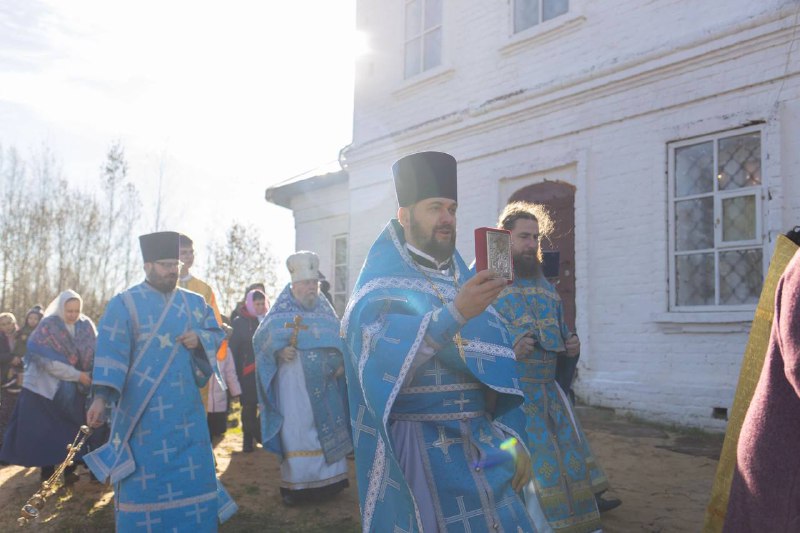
[{"x": 672, "y": 127}]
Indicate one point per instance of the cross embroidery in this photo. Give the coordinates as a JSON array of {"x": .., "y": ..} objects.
[
  {"x": 387, "y": 481},
  {"x": 165, "y": 451},
  {"x": 197, "y": 512},
  {"x": 181, "y": 309},
  {"x": 117, "y": 441},
  {"x": 143, "y": 477},
  {"x": 191, "y": 468},
  {"x": 185, "y": 426},
  {"x": 170, "y": 495},
  {"x": 398, "y": 529},
  {"x": 485, "y": 438},
  {"x": 359, "y": 426},
  {"x": 463, "y": 515},
  {"x": 480, "y": 358},
  {"x": 437, "y": 371},
  {"x": 164, "y": 340},
  {"x": 380, "y": 335},
  {"x": 140, "y": 434},
  {"x": 144, "y": 376},
  {"x": 148, "y": 522},
  {"x": 149, "y": 325},
  {"x": 161, "y": 407},
  {"x": 389, "y": 378},
  {"x": 315, "y": 331},
  {"x": 178, "y": 383},
  {"x": 499, "y": 326},
  {"x": 461, "y": 402},
  {"x": 113, "y": 330},
  {"x": 198, "y": 314},
  {"x": 444, "y": 442}
]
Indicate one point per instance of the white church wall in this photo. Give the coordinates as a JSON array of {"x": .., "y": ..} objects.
[{"x": 599, "y": 118}]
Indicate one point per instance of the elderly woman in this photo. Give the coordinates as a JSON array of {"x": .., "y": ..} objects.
[{"x": 51, "y": 407}]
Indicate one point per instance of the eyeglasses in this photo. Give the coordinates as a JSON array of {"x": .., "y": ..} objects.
[{"x": 166, "y": 264}]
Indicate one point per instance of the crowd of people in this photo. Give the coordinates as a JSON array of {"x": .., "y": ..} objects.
[{"x": 440, "y": 382}]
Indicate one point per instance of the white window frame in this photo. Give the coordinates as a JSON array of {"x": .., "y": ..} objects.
[
  {"x": 718, "y": 196},
  {"x": 514, "y": 29},
  {"x": 343, "y": 292},
  {"x": 421, "y": 36}
]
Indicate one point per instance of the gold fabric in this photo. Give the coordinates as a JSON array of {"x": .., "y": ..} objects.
[{"x": 754, "y": 355}]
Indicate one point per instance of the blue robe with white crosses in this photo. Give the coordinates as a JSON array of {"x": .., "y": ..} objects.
[{"x": 159, "y": 456}]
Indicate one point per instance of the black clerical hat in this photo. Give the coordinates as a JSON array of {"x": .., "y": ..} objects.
[
  {"x": 159, "y": 245},
  {"x": 424, "y": 175}
]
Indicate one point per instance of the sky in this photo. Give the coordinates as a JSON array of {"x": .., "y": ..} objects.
[{"x": 219, "y": 99}]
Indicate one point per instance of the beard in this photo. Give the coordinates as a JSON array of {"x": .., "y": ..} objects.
[
  {"x": 527, "y": 265},
  {"x": 439, "y": 250},
  {"x": 309, "y": 302},
  {"x": 165, "y": 283}
]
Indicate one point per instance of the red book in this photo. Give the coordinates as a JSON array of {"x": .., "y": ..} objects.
[{"x": 493, "y": 252}]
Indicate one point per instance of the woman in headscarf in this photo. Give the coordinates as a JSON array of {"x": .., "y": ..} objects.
[
  {"x": 51, "y": 407},
  {"x": 8, "y": 330},
  {"x": 241, "y": 345},
  {"x": 32, "y": 319}
]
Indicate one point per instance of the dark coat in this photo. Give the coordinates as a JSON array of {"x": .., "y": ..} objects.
[
  {"x": 765, "y": 492},
  {"x": 241, "y": 345}
]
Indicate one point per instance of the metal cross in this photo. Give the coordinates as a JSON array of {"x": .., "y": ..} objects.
[
  {"x": 143, "y": 477},
  {"x": 499, "y": 326},
  {"x": 296, "y": 327},
  {"x": 191, "y": 468},
  {"x": 165, "y": 451},
  {"x": 463, "y": 515},
  {"x": 161, "y": 407},
  {"x": 114, "y": 330},
  {"x": 359, "y": 426}
]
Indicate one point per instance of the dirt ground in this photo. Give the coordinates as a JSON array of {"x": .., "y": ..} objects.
[{"x": 663, "y": 477}]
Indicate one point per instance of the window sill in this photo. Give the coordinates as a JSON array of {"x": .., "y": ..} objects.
[
  {"x": 429, "y": 77},
  {"x": 542, "y": 32},
  {"x": 704, "y": 322}
]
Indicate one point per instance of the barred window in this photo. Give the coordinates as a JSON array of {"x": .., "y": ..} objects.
[
  {"x": 423, "y": 36},
  {"x": 528, "y": 13},
  {"x": 715, "y": 221},
  {"x": 339, "y": 288}
]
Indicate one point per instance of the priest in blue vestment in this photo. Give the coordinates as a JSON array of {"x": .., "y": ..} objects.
[
  {"x": 156, "y": 346},
  {"x": 301, "y": 387},
  {"x": 429, "y": 368},
  {"x": 566, "y": 477}
]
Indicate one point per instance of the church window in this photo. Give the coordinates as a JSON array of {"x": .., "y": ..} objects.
[
  {"x": 716, "y": 244},
  {"x": 339, "y": 288},
  {"x": 529, "y": 13},
  {"x": 423, "y": 36}
]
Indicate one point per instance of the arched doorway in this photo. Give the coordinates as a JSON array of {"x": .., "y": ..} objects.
[{"x": 559, "y": 198}]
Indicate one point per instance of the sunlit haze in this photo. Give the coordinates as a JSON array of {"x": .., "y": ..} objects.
[{"x": 221, "y": 99}]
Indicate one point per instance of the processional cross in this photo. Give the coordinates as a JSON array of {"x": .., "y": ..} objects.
[{"x": 296, "y": 327}]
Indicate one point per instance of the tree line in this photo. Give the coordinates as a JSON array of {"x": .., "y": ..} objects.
[{"x": 55, "y": 236}]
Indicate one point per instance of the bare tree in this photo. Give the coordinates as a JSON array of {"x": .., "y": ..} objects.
[{"x": 241, "y": 259}]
